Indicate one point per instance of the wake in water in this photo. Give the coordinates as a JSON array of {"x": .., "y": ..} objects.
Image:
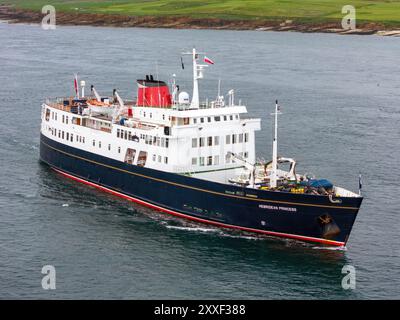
[{"x": 342, "y": 248}]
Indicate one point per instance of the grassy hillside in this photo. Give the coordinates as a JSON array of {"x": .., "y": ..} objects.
[{"x": 378, "y": 11}]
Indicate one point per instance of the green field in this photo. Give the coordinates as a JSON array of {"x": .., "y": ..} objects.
[{"x": 378, "y": 11}]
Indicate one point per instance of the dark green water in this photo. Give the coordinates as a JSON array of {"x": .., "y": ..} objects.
[{"x": 340, "y": 99}]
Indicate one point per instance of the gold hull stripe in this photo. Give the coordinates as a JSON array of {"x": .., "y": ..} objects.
[{"x": 199, "y": 189}]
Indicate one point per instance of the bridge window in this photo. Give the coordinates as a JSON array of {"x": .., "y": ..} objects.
[{"x": 234, "y": 138}]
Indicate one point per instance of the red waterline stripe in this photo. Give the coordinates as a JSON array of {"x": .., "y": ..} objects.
[{"x": 219, "y": 224}]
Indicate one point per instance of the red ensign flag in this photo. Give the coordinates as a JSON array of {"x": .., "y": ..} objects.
[{"x": 208, "y": 60}]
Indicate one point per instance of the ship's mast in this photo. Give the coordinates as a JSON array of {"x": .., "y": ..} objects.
[
  {"x": 198, "y": 70},
  {"x": 273, "y": 176},
  {"x": 195, "y": 97}
]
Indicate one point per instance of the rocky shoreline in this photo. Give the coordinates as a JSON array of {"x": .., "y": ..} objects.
[{"x": 13, "y": 15}]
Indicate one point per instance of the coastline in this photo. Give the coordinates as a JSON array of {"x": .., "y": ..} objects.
[{"x": 13, "y": 15}]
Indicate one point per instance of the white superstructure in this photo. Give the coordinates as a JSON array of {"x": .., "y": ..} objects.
[{"x": 179, "y": 135}]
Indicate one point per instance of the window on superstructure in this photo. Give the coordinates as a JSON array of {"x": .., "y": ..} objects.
[
  {"x": 234, "y": 138},
  {"x": 151, "y": 115},
  {"x": 94, "y": 143},
  {"x": 99, "y": 144},
  {"x": 126, "y": 134},
  {"x": 55, "y": 116},
  {"x": 228, "y": 139},
  {"x": 159, "y": 158},
  {"x": 163, "y": 142},
  {"x": 67, "y": 136},
  {"x": 209, "y": 141},
  {"x": 158, "y": 141},
  {"x": 194, "y": 142},
  {"x": 202, "y": 120},
  {"x": 119, "y": 149},
  {"x": 66, "y": 119},
  {"x": 154, "y": 158},
  {"x": 83, "y": 139},
  {"x": 216, "y": 160},
  {"x": 63, "y": 134},
  {"x": 194, "y": 161},
  {"x": 246, "y": 137},
  {"x": 216, "y": 140},
  {"x": 72, "y": 137},
  {"x": 209, "y": 160},
  {"x": 201, "y": 161},
  {"x": 194, "y": 120},
  {"x": 186, "y": 121},
  {"x": 225, "y": 118},
  {"x": 201, "y": 142},
  {"x": 166, "y": 142},
  {"x": 109, "y": 147},
  {"x": 59, "y": 133},
  {"x": 129, "y": 135},
  {"x": 163, "y": 116},
  {"x": 117, "y": 133},
  {"x": 209, "y": 119},
  {"x": 228, "y": 158},
  {"x": 246, "y": 154},
  {"x": 166, "y": 160},
  {"x": 231, "y": 117},
  {"x": 218, "y": 118},
  {"x": 47, "y": 117},
  {"x": 241, "y": 138},
  {"x": 63, "y": 119},
  {"x": 237, "y": 116}
]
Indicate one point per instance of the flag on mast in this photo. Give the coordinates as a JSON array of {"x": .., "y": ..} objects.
[
  {"x": 208, "y": 60},
  {"x": 76, "y": 85}
]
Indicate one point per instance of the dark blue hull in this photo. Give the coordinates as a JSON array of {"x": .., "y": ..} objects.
[{"x": 304, "y": 217}]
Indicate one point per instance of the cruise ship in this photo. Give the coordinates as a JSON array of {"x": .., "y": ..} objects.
[{"x": 195, "y": 160}]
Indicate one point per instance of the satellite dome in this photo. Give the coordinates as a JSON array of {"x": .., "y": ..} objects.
[{"x": 183, "y": 98}]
